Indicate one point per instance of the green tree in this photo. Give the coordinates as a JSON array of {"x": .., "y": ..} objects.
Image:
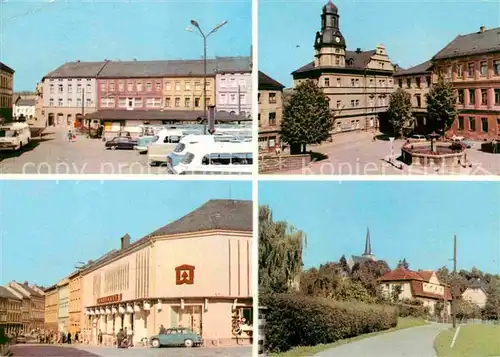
[
  {"x": 307, "y": 117},
  {"x": 403, "y": 263},
  {"x": 491, "y": 310},
  {"x": 396, "y": 291},
  {"x": 441, "y": 109},
  {"x": 280, "y": 253},
  {"x": 400, "y": 112}
]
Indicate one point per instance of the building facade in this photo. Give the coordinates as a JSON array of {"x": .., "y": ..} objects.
[
  {"x": 417, "y": 81},
  {"x": 63, "y": 313},
  {"x": 51, "y": 321},
  {"x": 476, "y": 293},
  {"x": 32, "y": 307},
  {"x": 472, "y": 63},
  {"x": 6, "y": 91},
  {"x": 234, "y": 92},
  {"x": 270, "y": 99},
  {"x": 155, "y": 281},
  {"x": 357, "y": 83},
  {"x": 10, "y": 311},
  {"x": 422, "y": 285},
  {"x": 75, "y": 311},
  {"x": 24, "y": 109}
]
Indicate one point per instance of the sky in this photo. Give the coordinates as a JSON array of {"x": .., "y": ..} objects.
[
  {"x": 412, "y": 220},
  {"x": 36, "y": 37},
  {"x": 47, "y": 227},
  {"x": 411, "y": 31}
]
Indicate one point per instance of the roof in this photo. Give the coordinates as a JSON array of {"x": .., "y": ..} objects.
[
  {"x": 426, "y": 274},
  {"x": 418, "y": 69},
  {"x": 26, "y": 102},
  {"x": 143, "y": 114},
  {"x": 159, "y": 68},
  {"x": 26, "y": 287},
  {"x": 359, "y": 259},
  {"x": 417, "y": 288},
  {"x": 218, "y": 214},
  {"x": 477, "y": 284},
  {"x": 6, "y": 68},
  {"x": 471, "y": 44},
  {"x": 267, "y": 83},
  {"x": 5, "y": 293},
  {"x": 399, "y": 274}
]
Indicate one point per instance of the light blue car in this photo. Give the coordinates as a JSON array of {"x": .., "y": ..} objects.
[{"x": 176, "y": 337}]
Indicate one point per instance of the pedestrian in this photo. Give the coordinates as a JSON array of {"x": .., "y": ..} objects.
[
  {"x": 99, "y": 338},
  {"x": 76, "y": 337},
  {"x": 162, "y": 330},
  {"x": 130, "y": 334},
  {"x": 70, "y": 136},
  {"x": 119, "y": 338},
  {"x": 69, "y": 338}
]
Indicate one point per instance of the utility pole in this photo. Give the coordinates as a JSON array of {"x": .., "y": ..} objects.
[{"x": 453, "y": 283}]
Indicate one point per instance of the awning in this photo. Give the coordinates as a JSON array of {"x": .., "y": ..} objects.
[{"x": 146, "y": 115}]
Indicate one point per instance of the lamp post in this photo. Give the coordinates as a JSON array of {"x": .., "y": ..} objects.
[{"x": 197, "y": 25}]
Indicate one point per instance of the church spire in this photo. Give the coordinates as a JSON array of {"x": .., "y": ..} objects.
[{"x": 368, "y": 245}]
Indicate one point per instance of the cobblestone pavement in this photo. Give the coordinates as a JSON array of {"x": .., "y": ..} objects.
[
  {"x": 87, "y": 351},
  {"x": 411, "y": 342},
  {"x": 358, "y": 154},
  {"x": 53, "y": 154}
]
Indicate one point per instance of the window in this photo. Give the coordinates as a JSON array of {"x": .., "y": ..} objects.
[
  {"x": 223, "y": 98},
  {"x": 356, "y": 83},
  {"x": 419, "y": 100},
  {"x": 357, "y": 103},
  {"x": 242, "y": 159},
  {"x": 460, "y": 123},
  {"x": 232, "y": 82},
  {"x": 197, "y": 102},
  {"x": 130, "y": 86},
  {"x": 233, "y": 98},
  {"x": 352, "y": 103},
  {"x": 408, "y": 83},
  {"x": 484, "y": 97},
  {"x": 122, "y": 102},
  {"x": 209, "y": 85},
  {"x": 272, "y": 98},
  {"x": 207, "y": 101},
  {"x": 121, "y": 86},
  {"x": 470, "y": 69},
  {"x": 137, "y": 102},
  {"x": 60, "y": 88},
  {"x": 111, "y": 86},
  {"x": 339, "y": 82},
  {"x": 400, "y": 83},
  {"x": 497, "y": 96},
  {"x": 79, "y": 102},
  {"x": 483, "y": 68},
  {"x": 197, "y": 85},
  {"x": 327, "y": 82},
  {"x": 51, "y": 88},
  {"x": 472, "y": 96},
  {"x": 103, "y": 86},
  {"x": 187, "y": 85},
  {"x": 417, "y": 81},
  {"x": 167, "y": 86},
  {"x": 496, "y": 68},
  {"x": 460, "y": 99},
  {"x": 138, "y": 85},
  {"x": 148, "y": 86},
  {"x": 339, "y": 103},
  {"x": 158, "y": 85},
  {"x": 70, "y": 102},
  {"x": 177, "y": 102},
  {"x": 460, "y": 71},
  {"x": 337, "y": 60},
  {"x": 187, "y": 102},
  {"x": 352, "y": 82},
  {"x": 59, "y": 102},
  {"x": 177, "y": 86},
  {"x": 222, "y": 82},
  {"x": 130, "y": 102},
  {"x": 472, "y": 124},
  {"x": 484, "y": 125},
  {"x": 70, "y": 88},
  {"x": 242, "y": 98},
  {"x": 428, "y": 80},
  {"x": 272, "y": 119},
  {"x": 448, "y": 72}
]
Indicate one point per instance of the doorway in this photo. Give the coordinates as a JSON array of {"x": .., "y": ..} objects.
[{"x": 190, "y": 318}]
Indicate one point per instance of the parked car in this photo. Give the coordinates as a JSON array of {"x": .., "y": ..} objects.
[
  {"x": 121, "y": 142},
  {"x": 176, "y": 337},
  {"x": 492, "y": 147},
  {"x": 417, "y": 137},
  {"x": 460, "y": 139},
  {"x": 20, "y": 339}
]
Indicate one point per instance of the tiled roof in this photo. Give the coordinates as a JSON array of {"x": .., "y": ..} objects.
[
  {"x": 267, "y": 83},
  {"x": 418, "y": 69},
  {"x": 477, "y": 284},
  {"x": 26, "y": 102},
  {"x": 399, "y": 274},
  {"x": 353, "y": 59},
  {"x": 5, "y": 293},
  {"x": 6, "y": 68},
  {"x": 31, "y": 290},
  {"x": 141, "y": 114},
  {"x": 471, "y": 44},
  {"x": 426, "y": 274},
  {"x": 144, "y": 69},
  {"x": 358, "y": 259}
]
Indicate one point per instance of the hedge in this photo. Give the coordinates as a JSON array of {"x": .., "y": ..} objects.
[
  {"x": 298, "y": 320},
  {"x": 405, "y": 310}
]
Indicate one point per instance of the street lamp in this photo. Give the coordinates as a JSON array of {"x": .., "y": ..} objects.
[{"x": 197, "y": 25}]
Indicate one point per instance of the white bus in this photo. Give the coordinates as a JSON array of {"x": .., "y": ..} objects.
[
  {"x": 218, "y": 158},
  {"x": 13, "y": 136}
]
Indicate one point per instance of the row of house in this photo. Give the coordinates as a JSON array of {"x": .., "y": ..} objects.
[
  {"x": 195, "y": 272},
  {"x": 6, "y": 91},
  {"x": 359, "y": 83},
  {"x": 22, "y": 308}
]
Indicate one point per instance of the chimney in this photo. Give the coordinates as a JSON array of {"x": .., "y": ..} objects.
[
  {"x": 125, "y": 242},
  {"x": 482, "y": 29}
]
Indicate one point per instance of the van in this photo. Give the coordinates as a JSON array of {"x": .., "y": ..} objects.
[
  {"x": 218, "y": 158},
  {"x": 14, "y": 136},
  {"x": 163, "y": 143}
]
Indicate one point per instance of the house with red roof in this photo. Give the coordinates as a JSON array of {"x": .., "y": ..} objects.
[{"x": 422, "y": 285}]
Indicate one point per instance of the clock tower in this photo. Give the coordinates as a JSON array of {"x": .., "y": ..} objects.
[{"x": 329, "y": 46}]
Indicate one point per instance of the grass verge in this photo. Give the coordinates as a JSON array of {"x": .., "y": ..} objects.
[
  {"x": 472, "y": 340},
  {"x": 302, "y": 351}
]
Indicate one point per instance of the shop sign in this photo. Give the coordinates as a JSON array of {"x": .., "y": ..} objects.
[
  {"x": 184, "y": 274},
  {"x": 110, "y": 299}
]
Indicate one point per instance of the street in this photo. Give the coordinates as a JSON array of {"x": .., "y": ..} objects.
[
  {"x": 53, "y": 154},
  {"x": 358, "y": 154},
  {"x": 87, "y": 351},
  {"x": 411, "y": 342}
]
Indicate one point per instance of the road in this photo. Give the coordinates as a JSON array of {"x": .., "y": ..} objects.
[
  {"x": 411, "y": 342},
  {"x": 87, "y": 351},
  {"x": 53, "y": 154}
]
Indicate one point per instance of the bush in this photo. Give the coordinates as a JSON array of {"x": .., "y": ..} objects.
[
  {"x": 298, "y": 320},
  {"x": 490, "y": 147},
  {"x": 413, "y": 310}
]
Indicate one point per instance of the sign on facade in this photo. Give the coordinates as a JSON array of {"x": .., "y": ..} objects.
[
  {"x": 184, "y": 274},
  {"x": 110, "y": 299}
]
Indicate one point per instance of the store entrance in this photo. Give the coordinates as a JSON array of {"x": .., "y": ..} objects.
[{"x": 190, "y": 318}]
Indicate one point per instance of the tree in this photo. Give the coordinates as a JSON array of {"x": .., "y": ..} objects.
[
  {"x": 307, "y": 117},
  {"x": 403, "y": 263},
  {"x": 441, "y": 109},
  {"x": 491, "y": 310},
  {"x": 396, "y": 291},
  {"x": 344, "y": 265},
  {"x": 280, "y": 253},
  {"x": 400, "y": 112}
]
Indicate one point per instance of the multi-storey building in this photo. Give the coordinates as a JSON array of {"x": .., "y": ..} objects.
[
  {"x": 75, "y": 303},
  {"x": 10, "y": 311},
  {"x": 33, "y": 305},
  {"x": 472, "y": 63},
  {"x": 270, "y": 100},
  {"x": 24, "y": 109},
  {"x": 63, "y": 314},
  {"x": 6, "y": 91},
  {"x": 234, "y": 87},
  {"x": 177, "y": 277},
  {"x": 357, "y": 83},
  {"x": 417, "y": 81},
  {"x": 186, "y": 93},
  {"x": 52, "y": 309}
]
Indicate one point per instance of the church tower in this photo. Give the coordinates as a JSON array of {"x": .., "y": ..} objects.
[
  {"x": 329, "y": 46},
  {"x": 368, "y": 246}
]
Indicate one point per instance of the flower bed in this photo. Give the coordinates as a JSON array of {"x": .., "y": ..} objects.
[{"x": 444, "y": 154}]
